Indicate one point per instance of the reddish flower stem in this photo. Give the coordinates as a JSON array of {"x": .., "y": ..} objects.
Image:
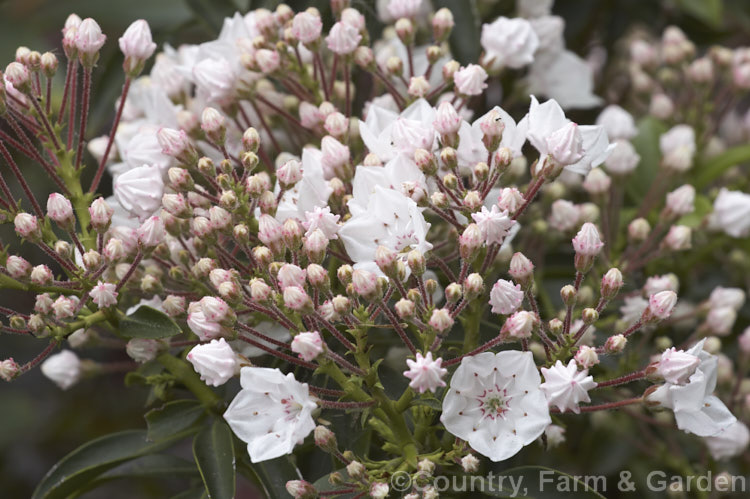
[{"x": 112, "y": 133}]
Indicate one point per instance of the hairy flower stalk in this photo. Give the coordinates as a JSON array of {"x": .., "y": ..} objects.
[{"x": 303, "y": 213}]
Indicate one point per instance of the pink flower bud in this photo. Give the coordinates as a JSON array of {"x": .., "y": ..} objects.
[
  {"x": 353, "y": 18},
  {"x": 442, "y": 24},
  {"x": 336, "y": 124},
  {"x": 678, "y": 238},
  {"x": 89, "y": 40},
  {"x": 296, "y": 298},
  {"x": 597, "y": 182},
  {"x": 215, "y": 361},
  {"x": 470, "y": 80},
  {"x": 267, "y": 60},
  {"x": 270, "y": 230},
  {"x": 505, "y": 297},
  {"x": 60, "y": 210},
  {"x": 26, "y": 226},
  {"x": 418, "y": 86},
  {"x": 317, "y": 276},
  {"x": 565, "y": 145},
  {"x": 291, "y": 275},
  {"x": 335, "y": 154},
  {"x": 309, "y": 114},
  {"x": 441, "y": 320},
  {"x": 8, "y": 369},
  {"x": 307, "y": 345},
  {"x": 676, "y": 366},
  {"x": 510, "y": 199},
  {"x": 300, "y": 489},
  {"x": 520, "y": 325},
  {"x": 259, "y": 290},
  {"x": 587, "y": 242},
  {"x": 101, "y": 214},
  {"x": 365, "y": 283},
  {"x": 306, "y": 27},
  {"x": 220, "y": 218},
  {"x": 18, "y": 75},
  {"x": 611, "y": 283},
  {"x": 403, "y": 8},
  {"x": 289, "y": 173},
  {"x": 214, "y": 124},
  {"x": 660, "y": 306},
  {"x": 586, "y": 357},
  {"x": 17, "y": 267},
  {"x": 680, "y": 201},
  {"x": 470, "y": 242},
  {"x": 744, "y": 341},
  {"x": 151, "y": 232},
  {"x": 343, "y": 39},
  {"x": 521, "y": 268},
  {"x": 64, "y": 307},
  {"x": 173, "y": 142},
  {"x": 615, "y": 344},
  {"x": 137, "y": 46},
  {"x": 447, "y": 121},
  {"x": 104, "y": 294}
]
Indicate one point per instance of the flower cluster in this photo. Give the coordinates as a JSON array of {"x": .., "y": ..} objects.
[{"x": 275, "y": 221}]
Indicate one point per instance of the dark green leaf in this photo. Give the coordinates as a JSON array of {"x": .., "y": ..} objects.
[
  {"x": 197, "y": 493},
  {"x": 92, "y": 459},
  {"x": 212, "y": 12},
  {"x": 173, "y": 417},
  {"x": 272, "y": 475},
  {"x": 464, "y": 40},
  {"x": 432, "y": 403},
  {"x": 708, "y": 11},
  {"x": 147, "y": 322},
  {"x": 713, "y": 168},
  {"x": 647, "y": 145},
  {"x": 214, "y": 454},
  {"x": 154, "y": 466}
]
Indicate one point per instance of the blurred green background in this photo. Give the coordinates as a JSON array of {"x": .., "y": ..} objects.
[{"x": 38, "y": 423}]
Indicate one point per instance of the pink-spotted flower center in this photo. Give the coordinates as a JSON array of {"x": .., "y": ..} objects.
[{"x": 493, "y": 403}]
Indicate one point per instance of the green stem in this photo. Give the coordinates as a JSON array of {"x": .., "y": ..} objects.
[{"x": 185, "y": 373}]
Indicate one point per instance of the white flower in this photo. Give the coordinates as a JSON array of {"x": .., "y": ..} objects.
[
  {"x": 472, "y": 150},
  {"x": 140, "y": 190},
  {"x": 494, "y": 224},
  {"x": 494, "y": 402},
  {"x": 505, "y": 297},
  {"x": 624, "y": 159},
  {"x": 63, "y": 368},
  {"x": 425, "y": 374},
  {"x": 215, "y": 361},
  {"x": 617, "y": 122},
  {"x": 566, "y": 387},
  {"x": 391, "y": 220},
  {"x": 696, "y": 410},
  {"x": 386, "y": 133},
  {"x": 732, "y": 213},
  {"x": 565, "y": 77},
  {"x": 323, "y": 219},
  {"x": 678, "y": 147},
  {"x": 549, "y": 31},
  {"x": 272, "y": 413},
  {"x": 509, "y": 42},
  {"x": 727, "y": 297},
  {"x": 546, "y": 119},
  {"x": 309, "y": 193},
  {"x": 676, "y": 366},
  {"x": 729, "y": 442}
]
